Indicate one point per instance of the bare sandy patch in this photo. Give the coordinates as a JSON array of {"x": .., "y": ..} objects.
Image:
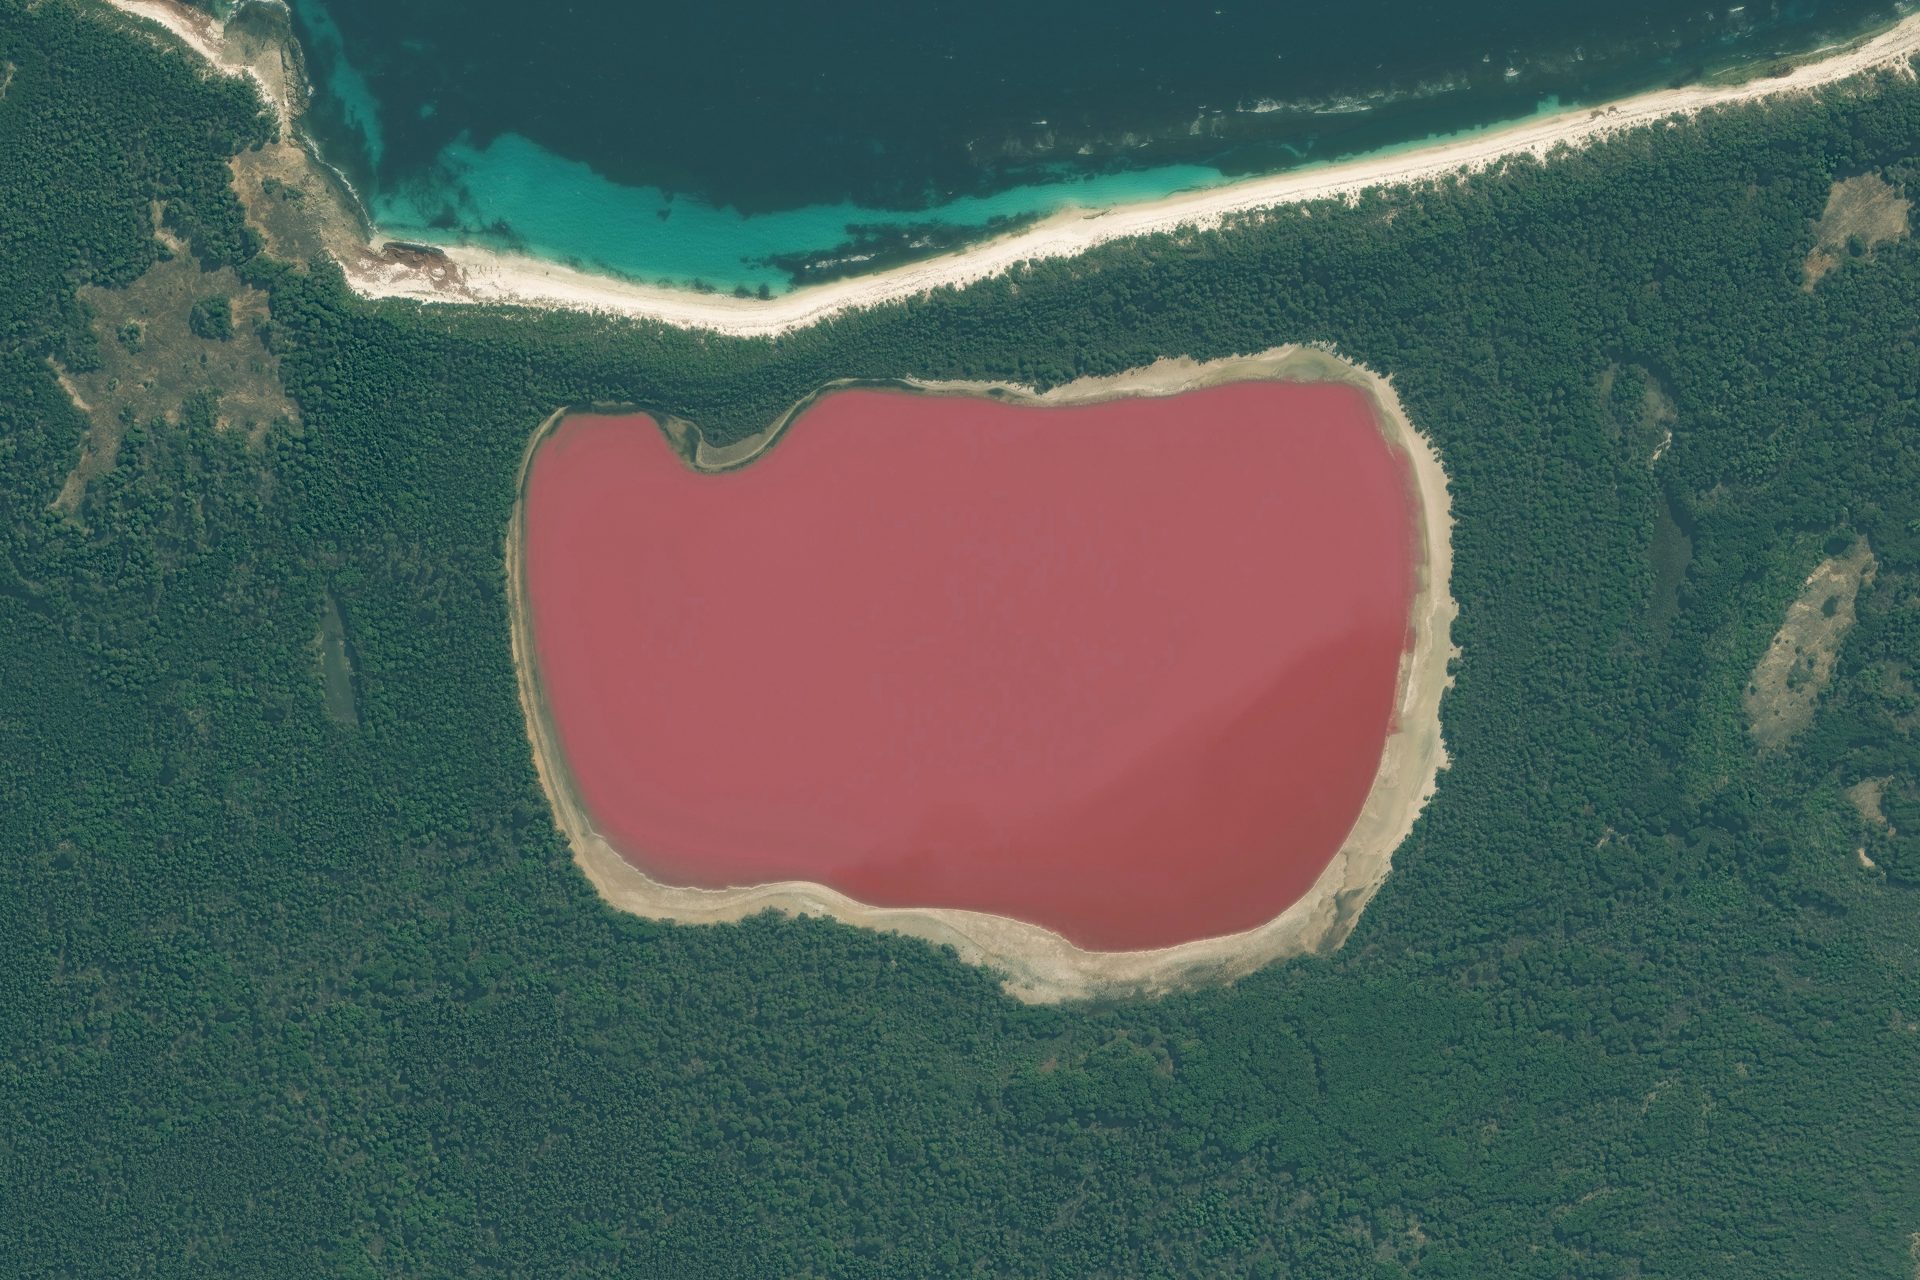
[
  {"x": 1861, "y": 212},
  {"x": 1039, "y": 965},
  {"x": 67, "y": 385},
  {"x": 1798, "y": 665},
  {"x": 152, "y": 360},
  {"x": 301, "y": 207},
  {"x": 1866, "y": 796}
]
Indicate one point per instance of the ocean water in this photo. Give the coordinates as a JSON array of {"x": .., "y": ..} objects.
[
  {"x": 750, "y": 145},
  {"x": 514, "y": 193}
]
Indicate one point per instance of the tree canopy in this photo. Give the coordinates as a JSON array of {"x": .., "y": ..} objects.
[{"x": 290, "y": 992}]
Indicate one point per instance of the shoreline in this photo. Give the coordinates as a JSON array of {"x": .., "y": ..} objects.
[
  {"x": 206, "y": 36},
  {"x": 384, "y": 268},
  {"x": 1039, "y": 966}
]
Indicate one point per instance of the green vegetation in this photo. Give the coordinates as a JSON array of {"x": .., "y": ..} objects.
[
  {"x": 1862, "y": 211},
  {"x": 336, "y": 664},
  {"x": 162, "y": 347},
  {"x": 211, "y": 318},
  {"x": 285, "y": 992}
]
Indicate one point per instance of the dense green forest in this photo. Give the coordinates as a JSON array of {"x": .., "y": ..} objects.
[{"x": 297, "y": 980}]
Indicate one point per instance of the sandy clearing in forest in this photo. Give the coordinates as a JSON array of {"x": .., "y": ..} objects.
[
  {"x": 1865, "y": 210},
  {"x": 385, "y": 268},
  {"x": 1866, "y": 796},
  {"x": 1039, "y": 965},
  {"x": 1784, "y": 690}
]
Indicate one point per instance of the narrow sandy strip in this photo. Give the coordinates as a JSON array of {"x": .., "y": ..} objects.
[
  {"x": 487, "y": 275},
  {"x": 1040, "y": 965},
  {"x": 206, "y": 36},
  {"x": 472, "y": 274}
]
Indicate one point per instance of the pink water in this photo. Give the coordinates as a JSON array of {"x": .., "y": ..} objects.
[{"x": 1123, "y": 670}]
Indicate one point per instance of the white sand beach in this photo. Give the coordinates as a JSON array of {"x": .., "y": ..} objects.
[{"x": 476, "y": 275}]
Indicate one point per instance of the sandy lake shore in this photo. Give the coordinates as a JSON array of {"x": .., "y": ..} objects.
[{"x": 1039, "y": 965}]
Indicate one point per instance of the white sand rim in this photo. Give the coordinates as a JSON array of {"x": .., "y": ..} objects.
[{"x": 1040, "y": 965}]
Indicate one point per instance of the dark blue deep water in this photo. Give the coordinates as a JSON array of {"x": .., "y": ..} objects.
[{"x": 747, "y": 143}]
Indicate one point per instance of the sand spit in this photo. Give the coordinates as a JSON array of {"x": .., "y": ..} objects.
[
  {"x": 1039, "y": 965},
  {"x": 475, "y": 275}
]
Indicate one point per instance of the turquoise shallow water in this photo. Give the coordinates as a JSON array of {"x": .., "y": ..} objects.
[
  {"x": 339, "y": 87},
  {"x": 550, "y": 207},
  {"x": 514, "y": 193},
  {"x": 754, "y": 146}
]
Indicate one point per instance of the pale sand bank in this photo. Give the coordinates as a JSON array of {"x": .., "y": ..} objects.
[
  {"x": 1040, "y": 965},
  {"x": 476, "y": 275}
]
